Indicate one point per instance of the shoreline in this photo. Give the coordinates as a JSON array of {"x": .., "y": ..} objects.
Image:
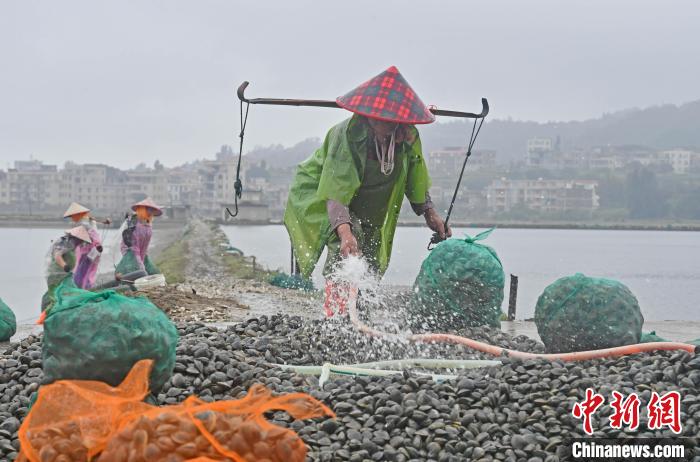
[
  {"x": 521, "y": 225},
  {"x": 688, "y": 227}
]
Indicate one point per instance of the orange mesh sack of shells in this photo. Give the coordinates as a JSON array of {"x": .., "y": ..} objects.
[{"x": 92, "y": 421}]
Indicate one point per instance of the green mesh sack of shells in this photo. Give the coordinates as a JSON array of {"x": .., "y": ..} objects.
[
  {"x": 101, "y": 335},
  {"x": 460, "y": 284},
  {"x": 8, "y": 322},
  {"x": 128, "y": 264},
  {"x": 578, "y": 313}
]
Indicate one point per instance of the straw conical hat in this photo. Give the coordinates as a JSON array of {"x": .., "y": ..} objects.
[
  {"x": 148, "y": 202},
  {"x": 81, "y": 233},
  {"x": 75, "y": 209},
  {"x": 388, "y": 97}
]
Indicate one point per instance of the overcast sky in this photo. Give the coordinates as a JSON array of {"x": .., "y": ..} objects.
[{"x": 122, "y": 82}]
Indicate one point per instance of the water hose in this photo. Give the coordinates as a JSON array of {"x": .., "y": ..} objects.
[
  {"x": 427, "y": 363},
  {"x": 328, "y": 369},
  {"x": 498, "y": 351},
  {"x": 377, "y": 366}
]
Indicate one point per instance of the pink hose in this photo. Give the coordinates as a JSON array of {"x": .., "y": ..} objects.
[{"x": 498, "y": 351}]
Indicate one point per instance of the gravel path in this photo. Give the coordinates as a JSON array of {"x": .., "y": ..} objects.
[
  {"x": 214, "y": 295},
  {"x": 518, "y": 411}
]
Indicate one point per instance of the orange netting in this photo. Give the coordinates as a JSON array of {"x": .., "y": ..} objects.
[{"x": 87, "y": 420}]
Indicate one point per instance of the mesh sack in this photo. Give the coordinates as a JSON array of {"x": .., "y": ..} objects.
[
  {"x": 223, "y": 430},
  {"x": 8, "y": 322},
  {"x": 72, "y": 420},
  {"x": 85, "y": 419},
  {"x": 578, "y": 313},
  {"x": 293, "y": 281},
  {"x": 101, "y": 335},
  {"x": 128, "y": 264},
  {"x": 460, "y": 283},
  {"x": 149, "y": 266}
]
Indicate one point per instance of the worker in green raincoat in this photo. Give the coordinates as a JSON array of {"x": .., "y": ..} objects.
[{"x": 347, "y": 196}]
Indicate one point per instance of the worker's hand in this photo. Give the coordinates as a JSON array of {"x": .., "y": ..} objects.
[
  {"x": 99, "y": 248},
  {"x": 107, "y": 221},
  {"x": 348, "y": 243},
  {"x": 435, "y": 222},
  {"x": 66, "y": 268}
]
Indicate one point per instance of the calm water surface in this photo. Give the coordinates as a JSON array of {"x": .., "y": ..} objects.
[{"x": 662, "y": 268}]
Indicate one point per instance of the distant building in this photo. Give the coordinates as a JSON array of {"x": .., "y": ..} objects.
[
  {"x": 251, "y": 209},
  {"x": 540, "y": 152},
  {"x": 680, "y": 160},
  {"x": 142, "y": 183},
  {"x": 31, "y": 186},
  {"x": 542, "y": 195},
  {"x": 217, "y": 179},
  {"x": 449, "y": 161},
  {"x": 97, "y": 186},
  {"x": 183, "y": 186}
]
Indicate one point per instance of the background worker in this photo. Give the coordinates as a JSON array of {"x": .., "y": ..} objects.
[
  {"x": 62, "y": 261},
  {"x": 87, "y": 255},
  {"x": 136, "y": 238},
  {"x": 347, "y": 196}
]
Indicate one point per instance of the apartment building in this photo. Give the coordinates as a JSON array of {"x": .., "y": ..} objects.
[
  {"x": 183, "y": 186},
  {"x": 449, "y": 161},
  {"x": 30, "y": 185},
  {"x": 147, "y": 182},
  {"x": 680, "y": 160},
  {"x": 542, "y": 195},
  {"x": 98, "y": 186},
  {"x": 216, "y": 179},
  {"x": 540, "y": 152}
]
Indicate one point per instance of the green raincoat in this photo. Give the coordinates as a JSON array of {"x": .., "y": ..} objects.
[{"x": 335, "y": 172}]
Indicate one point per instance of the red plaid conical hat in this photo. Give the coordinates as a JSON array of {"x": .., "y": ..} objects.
[{"x": 388, "y": 97}]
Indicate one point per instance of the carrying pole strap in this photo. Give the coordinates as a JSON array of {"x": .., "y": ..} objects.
[
  {"x": 238, "y": 185},
  {"x": 472, "y": 139}
]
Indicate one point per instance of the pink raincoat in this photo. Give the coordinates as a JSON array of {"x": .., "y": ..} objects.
[
  {"x": 141, "y": 238},
  {"x": 87, "y": 260}
]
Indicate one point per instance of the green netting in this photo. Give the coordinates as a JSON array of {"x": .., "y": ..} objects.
[
  {"x": 294, "y": 281},
  {"x": 49, "y": 297},
  {"x": 8, "y": 322},
  {"x": 460, "y": 284},
  {"x": 128, "y": 264},
  {"x": 150, "y": 267},
  {"x": 578, "y": 313},
  {"x": 649, "y": 337},
  {"x": 101, "y": 335}
]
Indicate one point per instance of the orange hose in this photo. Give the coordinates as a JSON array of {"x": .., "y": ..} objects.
[{"x": 498, "y": 351}]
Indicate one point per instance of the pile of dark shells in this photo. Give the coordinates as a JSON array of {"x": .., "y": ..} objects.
[{"x": 518, "y": 411}]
